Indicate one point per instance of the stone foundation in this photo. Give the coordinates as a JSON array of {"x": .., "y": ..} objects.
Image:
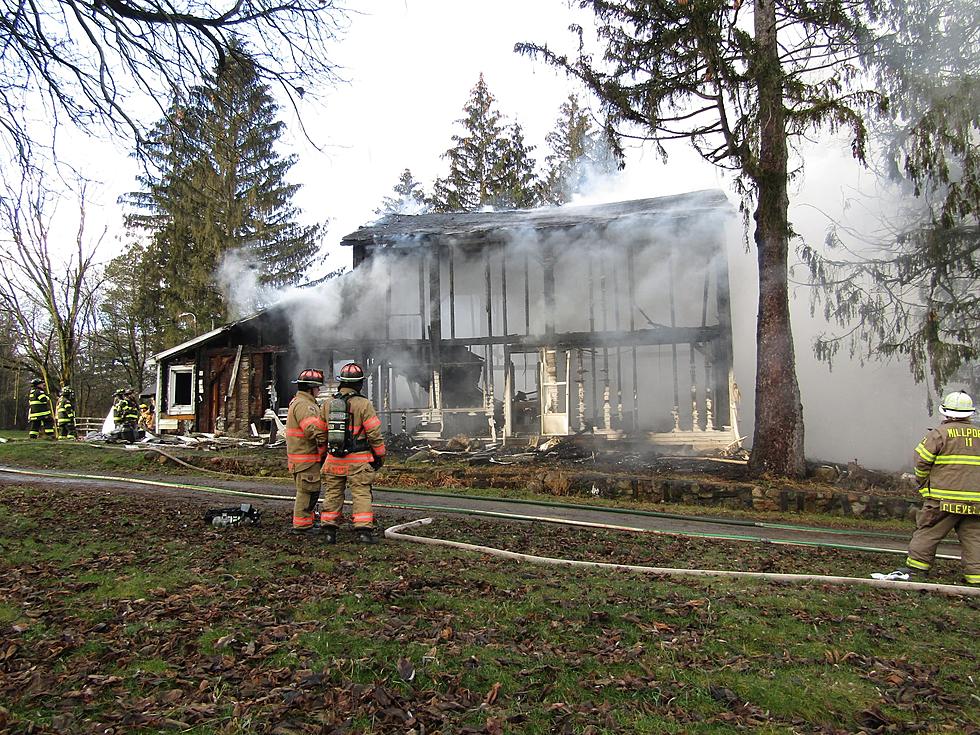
[{"x": 563, "y": 483}]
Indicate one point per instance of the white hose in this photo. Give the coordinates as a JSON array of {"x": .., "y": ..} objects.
[{"x": 394, "y": 533}]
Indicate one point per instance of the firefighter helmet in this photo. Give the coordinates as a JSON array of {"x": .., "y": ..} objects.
[
  {"x": 957, "y": 405},
  {"x": 67, "y": 391},
  {"x": 311, "y": 376},
  {"x": 351, "y": 373},
  {"x": 119, "y": 392},
  {"x": 37, "y": 381}
]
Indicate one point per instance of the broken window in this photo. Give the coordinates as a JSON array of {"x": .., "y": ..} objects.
[{"x": 181, "y": 385}]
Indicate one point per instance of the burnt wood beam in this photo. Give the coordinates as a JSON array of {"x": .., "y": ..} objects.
[
  {"x": 548, "y": 265},
  {"x": 435, "y": 302},
  {"x": 721, "y": 352},
  {"x": 452, "y": 294},
  {"x": 562, "y": 340}
]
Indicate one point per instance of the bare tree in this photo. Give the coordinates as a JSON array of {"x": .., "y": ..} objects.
[
  {"x": 47, "y": 298},
  {"x": 98, "y": 61},
  {"x": 127, "y": 328}
]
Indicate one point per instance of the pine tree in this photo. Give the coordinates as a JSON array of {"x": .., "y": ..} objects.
[
  {"x": 517, "y": 184},
  {"x": 245, "y": 183},
  {"x": 578, "y": 151},
  {"x": 166, "y": 208},
  {"x": 490, "y": 165},
  {"x": 216, "y": 184},
  {"x": 409, "y": 197},
  {"x": 911, "y": 288}
]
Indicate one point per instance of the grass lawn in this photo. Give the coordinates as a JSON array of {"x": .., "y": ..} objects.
[{"x": 126, "y": 614}]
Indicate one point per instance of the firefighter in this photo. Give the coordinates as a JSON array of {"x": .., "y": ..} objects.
[
  {"x": 118, "y": 408},
  {"x": 66, "y": 414},
  {"x": 354, "y": 465},
  {"x": 131, "y": 417},
  {"x": 306, "y": 436},
  {"x": 39, "y": 417},
  {"x": 147, "y": 413},
  {"x": 947, "y": 467},
  {"x": 125, "y": 415}
]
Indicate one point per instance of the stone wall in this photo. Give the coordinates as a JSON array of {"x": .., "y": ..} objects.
[{"x": 816, "y": 498}]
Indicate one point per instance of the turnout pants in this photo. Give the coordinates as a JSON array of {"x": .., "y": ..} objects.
[
  {"x": 932, "y": 527},
  {"x": 41, "y": 426},
  {"x": 358, "y": 480},
  {"x": 307, "y": 492}
]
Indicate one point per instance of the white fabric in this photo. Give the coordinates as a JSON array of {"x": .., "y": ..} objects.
[{"x": 897, "y": 576}]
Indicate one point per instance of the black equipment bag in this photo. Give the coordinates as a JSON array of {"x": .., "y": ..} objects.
[{"x": 246, "y": 513}]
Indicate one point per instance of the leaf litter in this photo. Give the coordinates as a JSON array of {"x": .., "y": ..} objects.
[{"x": 121, "y": 617}]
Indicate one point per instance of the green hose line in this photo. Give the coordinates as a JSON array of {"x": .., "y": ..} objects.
[{"x": 485, "y": 513}]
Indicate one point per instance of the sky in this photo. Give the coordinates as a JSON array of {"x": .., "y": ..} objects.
[{"x": 410, "y": 66}]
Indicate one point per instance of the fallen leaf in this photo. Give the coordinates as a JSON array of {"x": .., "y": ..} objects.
[
  {"x": 492, "y": 694},
  {"x": 405, "y": 669}
]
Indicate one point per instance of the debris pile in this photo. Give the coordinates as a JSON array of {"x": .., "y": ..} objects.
[{"x": 197, "y": 441}]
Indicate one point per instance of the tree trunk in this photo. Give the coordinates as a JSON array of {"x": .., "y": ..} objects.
[{"x": 777, "y": 444}]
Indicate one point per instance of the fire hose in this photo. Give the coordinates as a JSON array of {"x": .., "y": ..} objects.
[{"x": 395, "y": 533}]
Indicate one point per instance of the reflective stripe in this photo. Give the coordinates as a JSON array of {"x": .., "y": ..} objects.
[
  {"x": 363, "y": 517},
  {"x": 380, "y": 451},
  {"x": 938, "y": 492},
  {"x": 921, "y": 473},
  {"x": 301, "y": 522},
  {"x": 315, "y": 421},
  {"x": 924, "y": 453},
  {"x": 331, "y": 515},
  {"x": 295, "y": 432},
  {"x": 958, "y": 459},
  {"x": 356, "y": 458},
  {"x": 374, "y": 422},
  {"x": 910, "y": 562},
  {"x": 972, "y": 578},
  {"x": 303, "y": 457}
]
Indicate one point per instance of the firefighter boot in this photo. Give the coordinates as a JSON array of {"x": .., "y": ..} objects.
[
  {"x": 366, "y": 536},
  {"x": 328, "y": 534}
]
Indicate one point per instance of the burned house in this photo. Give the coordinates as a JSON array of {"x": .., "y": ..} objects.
[{"x": 611, "y": 320}]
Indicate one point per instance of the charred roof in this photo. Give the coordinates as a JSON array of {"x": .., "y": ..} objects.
[{"x": 488, "y": 228}]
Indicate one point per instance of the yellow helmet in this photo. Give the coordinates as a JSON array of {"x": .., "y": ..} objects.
[{"x": 957, "y": 405}]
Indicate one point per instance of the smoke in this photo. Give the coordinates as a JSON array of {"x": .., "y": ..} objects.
[
  {"x": 872, "y": 412},
  {"x": 858, "y": 408},
  {"x": 237, "y": 276}
]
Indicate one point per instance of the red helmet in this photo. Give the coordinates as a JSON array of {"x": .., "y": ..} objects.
[
  {"x": 351, "y": 373},
  {"x": 310, "y": 375}
]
